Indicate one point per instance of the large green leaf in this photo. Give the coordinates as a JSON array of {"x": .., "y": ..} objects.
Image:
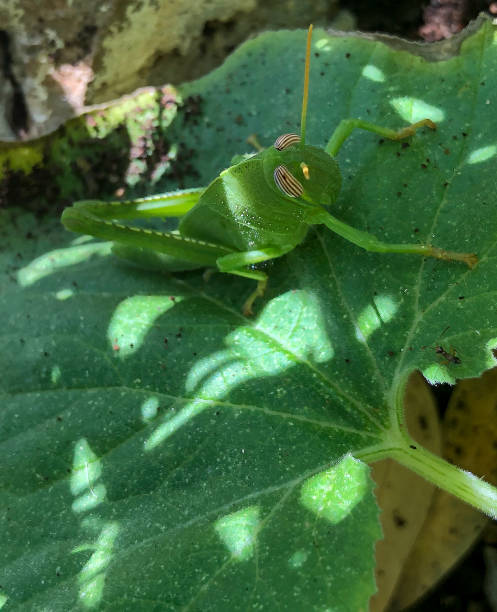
[{"x": 158, "y": 450}]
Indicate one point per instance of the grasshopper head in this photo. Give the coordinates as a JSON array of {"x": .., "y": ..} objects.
[
  {"x": 302, "y": 171},
  {"x": 298, "y": 170}
]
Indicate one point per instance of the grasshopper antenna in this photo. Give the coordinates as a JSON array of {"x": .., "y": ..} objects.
[{"x": 306, "y": 85}]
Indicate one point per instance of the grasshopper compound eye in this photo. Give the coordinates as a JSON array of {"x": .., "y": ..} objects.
[
  {"x": 288, "y": 184},
  {"x": 286, "y": 140}
]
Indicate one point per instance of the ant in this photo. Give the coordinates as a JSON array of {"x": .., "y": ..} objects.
[{"x": 450, "y": 357}]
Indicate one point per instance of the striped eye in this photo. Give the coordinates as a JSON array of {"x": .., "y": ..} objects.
[
  {"x": 288, "y": 184},
  {"x": 285, "y": 140}
]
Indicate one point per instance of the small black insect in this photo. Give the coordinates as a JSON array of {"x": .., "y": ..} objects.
[{"x": 450, "y": 357}]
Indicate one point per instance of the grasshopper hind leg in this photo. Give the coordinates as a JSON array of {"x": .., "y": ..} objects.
[{"x": 152, "y": 260}]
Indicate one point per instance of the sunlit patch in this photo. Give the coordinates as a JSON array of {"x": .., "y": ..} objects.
[
  {"x": 55, "y": 260},
  {"x": 481, "y": 155},
  {"x": 133, "y": 318},
  {"x": 90, "y": 499},
  {"x": 414, "y": 109},
  {"x": 374, "y": 315},
  {"x": 333, "y": 494},
  {"x": 437, "y": 374},
  {"x": 323, "y": 44},
  {"x": 298, "y": 559},
  {"x": 90, "y": 593},
  {"x": 91, "y": 578},
  {"x": 289, "y": 329},
  {"x": 64, "y": 294},
  {"x": 3, "y": 600},
  {"x": 373, "y": 73},
  {"x": 491, "y": 347},
  {"x": 149, "y": 409},
  {"x": 86, "y": 471},
  {"x": 238, "y": 532},
  {"x": 169, "y": 427},
  {"x": 55, "y": 374}
]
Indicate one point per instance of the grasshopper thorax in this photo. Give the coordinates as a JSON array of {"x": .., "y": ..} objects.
[{"x": 301, "y": 171}]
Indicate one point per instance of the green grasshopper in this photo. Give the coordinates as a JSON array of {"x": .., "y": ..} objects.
[{"x": 258, "y": 209}]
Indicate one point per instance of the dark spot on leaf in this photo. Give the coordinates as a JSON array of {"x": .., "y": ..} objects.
[
  {"x": 405, "y": 145},
  {"x": 347, "y": 55},
  {"x": 398, "y": 519},
  {"x": 461, "y": 297}
]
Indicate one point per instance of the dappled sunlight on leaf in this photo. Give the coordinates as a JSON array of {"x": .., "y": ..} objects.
[
  {"x": 382, "y": 310},
  {"x": 55, "y": 374},
  {"x": 373, "y": 73},
  {"x": 92, "y": 575},
  {"x": 266, "y": 348},
  {"x": 438, "y": 373},
  {"x": 238, "y": 532},
  {"x": 64, "y": 294},
  {"x": 133, "y": 318},
  {"x": 53, "y": 261},
  {"x": 149, "y": 409},
  {"x": 323, "y": 44},
  {"x": 87, "y": 469},
  {"x": 414, "y": 109},
  {"x": 483, "y": 154},
  {"x": 333, "y": 494},
  {"x": 298, "y": 559}
]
